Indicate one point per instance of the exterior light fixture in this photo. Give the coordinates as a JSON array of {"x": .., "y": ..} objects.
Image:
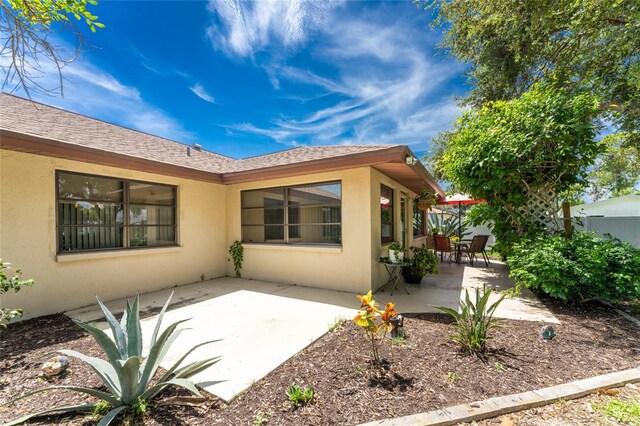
[{"x": 410, "y": 160}]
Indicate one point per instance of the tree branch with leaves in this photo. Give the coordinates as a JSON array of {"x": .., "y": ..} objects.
[{"x": 27, "y": 46}]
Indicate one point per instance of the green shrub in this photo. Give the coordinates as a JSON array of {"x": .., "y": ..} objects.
[
  {"x": 581, "y": 269},
  {"x": 7, "y": 284},
  {"x": 474, "y": 321},
  {"x": 299, "y": 396},
  {"x": 127, "y": 373}
]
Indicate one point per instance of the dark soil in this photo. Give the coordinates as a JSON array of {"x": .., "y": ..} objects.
[{"x": 423, "y": 373}]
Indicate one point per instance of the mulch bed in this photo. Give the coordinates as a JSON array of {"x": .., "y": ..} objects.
[{"x": 425, "y": 372}]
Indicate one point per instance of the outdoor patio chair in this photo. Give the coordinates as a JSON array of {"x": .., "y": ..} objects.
[
  {"x": 443, "y": 245},
  {"x": 429, "y": 243},
  {"x": 478, "y": 245}
]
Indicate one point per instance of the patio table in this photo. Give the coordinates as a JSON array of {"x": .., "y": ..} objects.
[
  {"x": 458, "y": 246},
  {"x": 394, "y": 269}
]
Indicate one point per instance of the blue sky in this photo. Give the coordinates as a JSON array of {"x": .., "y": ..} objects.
[{"x": 245, "y": 79}]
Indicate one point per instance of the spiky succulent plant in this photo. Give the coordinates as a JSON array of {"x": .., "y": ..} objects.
[{"x": 127, "y": 374}]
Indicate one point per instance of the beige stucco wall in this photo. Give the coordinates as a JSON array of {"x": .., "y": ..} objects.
[
  {"x": 345, "y": 268},
  {"x": 379, "y": 275},
  {"x": 209, "y": 220},
  {"x": 28, "y": 239}
]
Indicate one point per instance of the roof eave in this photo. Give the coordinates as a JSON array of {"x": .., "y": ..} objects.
[{"x": 21, "y": 142}]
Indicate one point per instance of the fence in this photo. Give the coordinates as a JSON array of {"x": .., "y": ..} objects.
[{"x": 626, "y": 228}]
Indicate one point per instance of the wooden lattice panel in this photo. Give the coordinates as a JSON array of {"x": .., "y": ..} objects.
[{"x": 542, "y": 207}]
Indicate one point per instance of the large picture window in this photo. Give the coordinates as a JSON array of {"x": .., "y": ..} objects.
[
  {"x": 99, "y": 213},
  {"x": 386, "y": 214},
  {"x": 305, "y": 214}
]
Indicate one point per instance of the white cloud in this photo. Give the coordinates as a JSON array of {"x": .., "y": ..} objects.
[
  {"x": 201, "y": 92},
  {"x": 90, "y": 91},
  {"x": 384, "y": 88},
  {"x": 247, "y": 27}
]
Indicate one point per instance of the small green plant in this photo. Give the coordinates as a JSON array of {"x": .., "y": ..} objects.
[
  {"x": 7, "y": 284},
  {"x": 453, "y": 377},
  {"x": 337, "y": 324},
  {"x": 101, "y": 408},
  {"x": 126, "y": 373},
  {"x": 396, "y": 251},
  {"x": 398, "y": 341},
  {"x": 298, "y": 395},
  {"x": 426, "y": 200},
  {"x": 261, "y": 418},
  {"x": 474, "y": 321},
  {"x": 627, "y": 412},
  {"x": 499, "y": 366},
  {"x": 374, "y": 322},
  {"x": 237, "y": 254}
]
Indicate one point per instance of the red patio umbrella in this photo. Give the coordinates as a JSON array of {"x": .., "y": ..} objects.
[{"x": 459, "y": 199}]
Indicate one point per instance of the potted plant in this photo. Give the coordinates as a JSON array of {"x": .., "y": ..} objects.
[
  {"x": 426, "y": 200},
  {"x": 423, "y": 262},
  {"x": 396, "y": 252}
]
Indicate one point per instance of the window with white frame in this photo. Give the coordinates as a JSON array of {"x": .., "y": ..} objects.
[
  {"x": 101, "y": 213},
  {"x": 302, "y": 214}
]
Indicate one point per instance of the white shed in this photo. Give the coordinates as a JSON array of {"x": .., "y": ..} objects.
[
  {"x": 627, "y": 205},
  {"x": 618, "y": 217}
]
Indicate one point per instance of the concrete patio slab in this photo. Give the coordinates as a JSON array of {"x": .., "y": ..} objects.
[
  {"x": 448, "y": 287},
  {"x": 261, "y": 324}
]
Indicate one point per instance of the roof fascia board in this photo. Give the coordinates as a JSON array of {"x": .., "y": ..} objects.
[{"x": 21, "y": 142}]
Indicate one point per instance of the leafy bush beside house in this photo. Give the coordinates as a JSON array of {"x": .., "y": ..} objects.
[
  {"x": 581, "y": 269},
  {"x": 7, "y": 284}
]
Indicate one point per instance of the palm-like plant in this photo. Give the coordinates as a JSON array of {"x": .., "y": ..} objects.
[
  {"x": 447, "y": 226},
  {"x": 128, "y": 374},
  {"x": 474, "y": 321}
]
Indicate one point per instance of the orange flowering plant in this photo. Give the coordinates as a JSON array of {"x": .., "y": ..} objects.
[{"x": 374, "y": 321}]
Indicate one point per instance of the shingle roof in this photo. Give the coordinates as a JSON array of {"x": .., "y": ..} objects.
[
  {"x": 43, "y": 121},
  {"x": 300, "y": 155},
  {"x": 35, "y": 119}
]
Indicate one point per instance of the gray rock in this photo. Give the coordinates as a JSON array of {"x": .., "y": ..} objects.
[{"x": 55, "y": 366}]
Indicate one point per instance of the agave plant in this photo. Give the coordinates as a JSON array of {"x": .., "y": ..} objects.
[
  {"x": 128, "y": 374},
  {"x": 447, "y": 226}
]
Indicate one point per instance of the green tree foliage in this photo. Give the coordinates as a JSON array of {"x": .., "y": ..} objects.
[
  {"x": 582, "y": 269},
  {"x": 505, "y": 148},
  {"x": 617, "y": 169},
  {"x": 587, "y": 45},
  {"x": 27, "y": 27}
]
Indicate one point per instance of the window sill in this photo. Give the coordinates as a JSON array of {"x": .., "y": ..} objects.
[
  {"x": 72, "y": 257},
  {"x": 295, "y": 247}
]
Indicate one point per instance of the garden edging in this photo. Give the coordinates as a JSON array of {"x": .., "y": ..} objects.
[{"x": 493, "y": 407}]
